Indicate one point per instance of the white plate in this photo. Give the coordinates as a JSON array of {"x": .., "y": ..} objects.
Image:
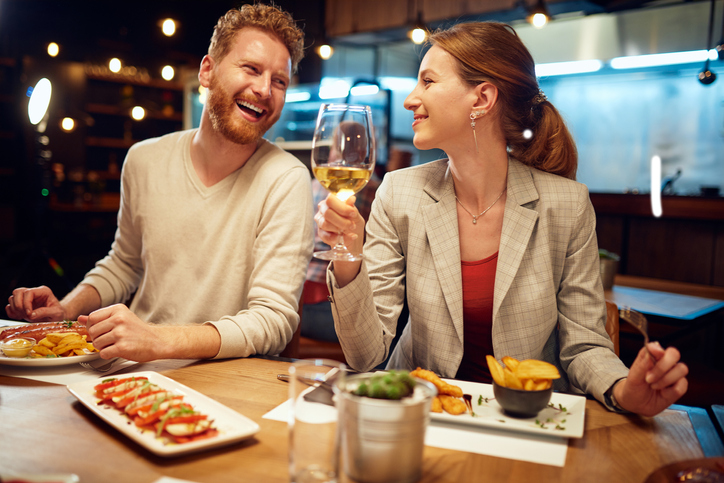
[
  {"x": 46, "y": 361},
  {"x": 567, "y": 422},
  {"x": 232, "y": 426}
]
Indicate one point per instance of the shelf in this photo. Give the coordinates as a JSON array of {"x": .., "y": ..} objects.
[
  {"x": 106, "y": 203},
  {"x": 124, "y": 112},
  {"x": 123, "y": 79},
  {"x": 110, "y": 142}
]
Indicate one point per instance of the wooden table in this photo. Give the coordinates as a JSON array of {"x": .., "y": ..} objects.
[{"x": 44, "y": 429}]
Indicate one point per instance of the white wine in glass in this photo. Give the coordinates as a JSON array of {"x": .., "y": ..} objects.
[{"x": 343, "y": 158}]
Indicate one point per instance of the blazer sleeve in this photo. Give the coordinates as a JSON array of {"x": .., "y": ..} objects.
[
  {"x": 586, "y": 351},
  {"x": 366, "y": 310}
]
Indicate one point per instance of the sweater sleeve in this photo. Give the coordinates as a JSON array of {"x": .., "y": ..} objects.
[{"x": 281, "y": 252}]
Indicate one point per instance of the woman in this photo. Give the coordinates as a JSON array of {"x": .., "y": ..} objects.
[{"x": 494, "y": 246}]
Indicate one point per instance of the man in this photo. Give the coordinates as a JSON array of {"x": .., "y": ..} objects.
[{"x": 215, "y": 223}]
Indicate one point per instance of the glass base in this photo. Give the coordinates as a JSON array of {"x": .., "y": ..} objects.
[{"x": 338, "y": 255}]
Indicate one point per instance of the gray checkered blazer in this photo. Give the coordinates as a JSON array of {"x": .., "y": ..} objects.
[{"x": 548, "y": 300}]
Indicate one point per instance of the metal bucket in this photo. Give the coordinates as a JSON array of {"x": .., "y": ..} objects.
[
  {"x": 609, "y": 268},
  {"x": 383, "y": 440}
]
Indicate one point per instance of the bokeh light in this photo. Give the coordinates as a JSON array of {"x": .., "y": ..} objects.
[
  {"x": 167, "y": 72},
  {"x": 53, "y": 49},
  {"x": 168, "y": 27},
  {"x": 138, "y": 113},
  {"x": 115, "y": 65},
  {"x": 67, "y": 124}
]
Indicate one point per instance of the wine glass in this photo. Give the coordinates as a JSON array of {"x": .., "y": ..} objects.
[{"x": 343, "y": 157}]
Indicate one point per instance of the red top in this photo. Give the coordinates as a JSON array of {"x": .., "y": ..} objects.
[{"x": 478, "y": 283}]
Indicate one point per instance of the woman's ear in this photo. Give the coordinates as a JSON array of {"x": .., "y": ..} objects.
[
  {"x": 487, "y": 96},
  {"x": 207, "y": 65}
]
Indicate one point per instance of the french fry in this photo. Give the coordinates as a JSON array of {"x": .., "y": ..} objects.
[
  {"x": 511, "y": 362},
  {"x": 542, "y": 384},
  {"x": 62, "y": 345},
  {"x": 42, "y": 350},
  {"x": 528, "y": 384},
  {"x": 534, "y": 369},
  {"x": 496, "y": 370},
  {"x": 511, "y": 380}
]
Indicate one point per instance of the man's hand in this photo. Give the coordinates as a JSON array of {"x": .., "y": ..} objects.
[
  {"x": 118, "y": 332},
  {"x": 37, "y": 304},
  {"x": 652, "y": 386}
]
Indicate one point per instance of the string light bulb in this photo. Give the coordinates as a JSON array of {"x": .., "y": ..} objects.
[
  {"x": 67, "y": 124},
  {"x": 167, "y": 73},
  {"x": 115, "y": 65},
  {"x": 53, "y": 49},
  {"x": 168, "y": 27},
  {"x": 138, "y": 113}
]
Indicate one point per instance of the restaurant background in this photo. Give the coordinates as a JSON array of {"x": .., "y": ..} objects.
[{"x": 59, "y": 189}]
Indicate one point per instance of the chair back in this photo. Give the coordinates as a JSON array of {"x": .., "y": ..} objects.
[{"x": 612, "y": 324}]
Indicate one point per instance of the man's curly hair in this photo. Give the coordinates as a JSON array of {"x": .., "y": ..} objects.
[{"x": 269, "y": 18}]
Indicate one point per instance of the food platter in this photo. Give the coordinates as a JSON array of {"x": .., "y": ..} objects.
[
  {"x": 564, "y": 417},
  {"x": 46, "y": 361},
  {"x": 232, "y": 426}
]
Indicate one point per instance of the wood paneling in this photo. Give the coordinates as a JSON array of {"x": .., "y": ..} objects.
[{"x": 685, "y": 244}]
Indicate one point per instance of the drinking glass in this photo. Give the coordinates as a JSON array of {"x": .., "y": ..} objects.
[
  {"x": 313, "y": 427},
  {"x": 343, "y": 158}
]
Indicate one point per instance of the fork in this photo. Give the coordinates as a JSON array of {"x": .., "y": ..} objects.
[
  {"x": 105, "y": 367},
  {"x": 638, "y": 320}
]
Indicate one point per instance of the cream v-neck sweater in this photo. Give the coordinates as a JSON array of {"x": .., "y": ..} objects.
[{"x": 233, "y": 255}]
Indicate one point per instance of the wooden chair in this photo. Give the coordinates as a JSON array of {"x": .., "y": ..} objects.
[{"x": 612, "y": 322}]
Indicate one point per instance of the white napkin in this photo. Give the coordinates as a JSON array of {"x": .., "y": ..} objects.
[{"x": 545, "y": 450}]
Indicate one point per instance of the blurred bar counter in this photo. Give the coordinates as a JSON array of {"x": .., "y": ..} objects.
[{"x": 685, "y": 244}]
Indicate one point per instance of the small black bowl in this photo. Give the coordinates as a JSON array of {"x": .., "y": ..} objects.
[{"x": 519, "y": 403}]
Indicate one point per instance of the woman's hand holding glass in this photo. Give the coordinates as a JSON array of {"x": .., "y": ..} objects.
[
  {"x": 334, "y": 218},
  {"x": 343, "y": 158}
]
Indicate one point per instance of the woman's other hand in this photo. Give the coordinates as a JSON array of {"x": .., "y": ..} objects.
[{"x": 652, "y": 386}]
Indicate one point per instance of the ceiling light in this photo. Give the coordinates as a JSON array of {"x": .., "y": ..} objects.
[
  {"x": 418, "y": 34},
  {"x": 539, "y": 16},
  {"x": 566, "y": 68},
  {"x": 656, "y": 60}
]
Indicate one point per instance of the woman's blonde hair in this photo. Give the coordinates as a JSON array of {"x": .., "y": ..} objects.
[
  {"x": 269, "y": 18},
  {"x": 493, "y": 52}
]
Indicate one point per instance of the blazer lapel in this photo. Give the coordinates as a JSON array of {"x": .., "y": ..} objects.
[
  {"x": 518, "y": 224},
  {"x": 443, "y": 237}
]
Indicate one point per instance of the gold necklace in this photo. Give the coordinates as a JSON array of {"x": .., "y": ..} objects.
[{"x": 475, "y": 218}]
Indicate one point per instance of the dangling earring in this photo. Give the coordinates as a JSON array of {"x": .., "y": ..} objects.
[{"x": 473, "y": 116}]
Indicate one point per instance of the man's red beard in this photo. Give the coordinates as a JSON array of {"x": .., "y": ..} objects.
[{"x": 226, "y": 121}]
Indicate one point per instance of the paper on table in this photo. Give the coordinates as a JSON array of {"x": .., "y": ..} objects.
[
  {"x": 685, "y": 307},
  {"x": 545, "y": 450}
]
